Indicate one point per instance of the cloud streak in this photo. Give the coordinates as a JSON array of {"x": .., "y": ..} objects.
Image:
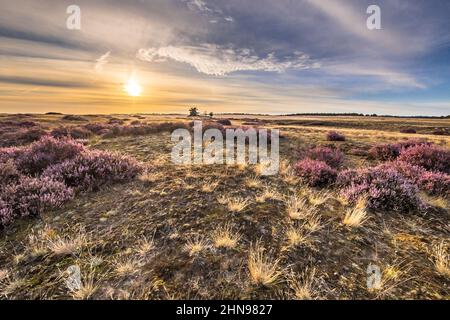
[
  {"x": 217, "y": 60},
  {"x": 102, "y": 61}
]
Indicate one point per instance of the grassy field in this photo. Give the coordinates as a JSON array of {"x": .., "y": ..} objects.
[{"x": 226, "y": 232}]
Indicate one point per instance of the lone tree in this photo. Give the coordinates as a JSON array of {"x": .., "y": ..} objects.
[
  {"x": 193, "y": 112},
  {"x": 211, "y": 114}
]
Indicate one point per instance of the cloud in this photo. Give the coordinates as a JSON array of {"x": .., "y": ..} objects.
[
  {"x": 102, "y": 61},
  {"x": 388, "y": 76},
  {"x": 44, "y": 82},
  {"x": 218, "y": 60},
  {"x": 352, "y": 19},
  {"x": 208, "y": 10}
]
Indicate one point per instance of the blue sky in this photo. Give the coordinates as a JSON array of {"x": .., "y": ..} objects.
[{"x": 258, "y": 56}]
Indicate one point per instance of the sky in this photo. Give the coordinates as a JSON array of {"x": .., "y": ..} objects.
[{"x": 225, "y": 56}]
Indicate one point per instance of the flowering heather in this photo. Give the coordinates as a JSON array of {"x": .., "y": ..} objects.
[
  {"x": 47, "y": 151},
  {"x": 332, "y": 157},
  {"x": 140, "y": 130},
  {"x": 384, "y": 152},
  {"x": 97, "y": 128},
  {"x": 20, "y": 136},
  {"x": 6, "y": 213},
  {"x": 435, "y": 183},
  {"x": 385, "y": 189},
  {"x": 335, "y": 136},
  {"x": 432, "y": 158},
  {"x": 12, "y": 153},
  {"x": 315, "y": 173},
  {"x": 8, "y": 173},
  {"x": 71, "y": 132},
  {"x": 90, "y": 170},
  {"x": 389, "y": 152},
  {"x": 30, "y": 196}
]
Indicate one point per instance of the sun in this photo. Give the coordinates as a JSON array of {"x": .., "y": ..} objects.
[{"x": 133, "y": 88}]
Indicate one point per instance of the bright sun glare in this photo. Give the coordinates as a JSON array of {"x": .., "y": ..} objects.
[{"x": 133, "y": 88}]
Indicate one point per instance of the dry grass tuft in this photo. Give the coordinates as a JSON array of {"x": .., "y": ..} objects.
[
  {"x": 264, "y": 271},
  {"x": 67, "y": 245},
  {"x": 355, "y": 218},
  {"x": 253, "y": 183},
  {"x": 318, "y": 198},
  {"x": 226, "y": 237},
  {"x": 297, "y": 208},
  {"x": 150, "y": 176},
  {"x": 126, "y": 266},
  {"x": 303, "y": 285},
  {"x": 4, "y": 274},
  {"x": 145, "y": 246},
  {"x": 237, "y": 204},
  {"x": 210, "y": 186},
  {"x": 441, "y": 259},
  {"x": 87, "y": 289},
  {"x": 296, "y": 237},
  {"x": 196, "y": 246},
  {"x": 269, "y": 193},
  {"x": 11, "y": 285}
]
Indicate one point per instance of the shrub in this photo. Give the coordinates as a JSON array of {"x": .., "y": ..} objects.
[
  {"x": 333, "y": 157},
  {"x": 315, "y": 173},
  {"x": 47, "y": 151},
  {"x": 6, "y": 213},
  {"x": 408, "y": 130},
  {"x": 32, "y": 195},
  {"x": 224, "y": 122},
  {"x": 71, "y": 117},
  {"x": 432, "y": 158},
  {"x": 384, "y": 152},
  {"x": 435, "y": 183},
  {"x": 8, "y": 173},
  {"x": 18, "y": 137},
  {"x": 441, "y": 132},
  {"x": 335, "y": 136},
  {"x": 71, "y": 132},
  {"x": 385, "y": 189},
  {"x": 93, "y": 169},
  {"x": 389, "y": 152},
  {"x": 97, "y": 128},
  {"x": 12, "y": 153}
]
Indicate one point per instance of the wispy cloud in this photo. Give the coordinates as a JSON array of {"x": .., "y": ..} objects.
[
  {"x": 208, "y": 10},
  {"x": 102, "y": 61},
  {"x": 218, "y": 60}
]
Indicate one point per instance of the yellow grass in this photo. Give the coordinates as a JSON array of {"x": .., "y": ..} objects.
[
  {"x": 264, "y": 271},
  {"x": 225, "y": 237}
]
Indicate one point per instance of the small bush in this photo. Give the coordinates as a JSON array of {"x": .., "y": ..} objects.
[
  {"x": 71, "y": 117},
  {"x": 333, "y": 157},
  {"x": 389, "y": 152},
  {"x": 435, "y": 183},
  {"x": 429, "y": 157},
  {"x": 335, "y": 136},
  {"x": 18, "y": 137},
  {"x": 93, "y": 169},
  {"x": 8, "y": 173},
  {"x": 384, "y": 152},
  {"x": 6, "y": 213},
  {"x": 47, "y": 151},
  {"x": 97, "y": 128},
  {"x": 31, "y": 196},
  {"x": 408, "y": 130},
  {"x": 224, "y": 122},
  {"x": 441, "y": 132},
  {"x": 384, "y": 189},
  {"x": 315, "y": 173}
]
